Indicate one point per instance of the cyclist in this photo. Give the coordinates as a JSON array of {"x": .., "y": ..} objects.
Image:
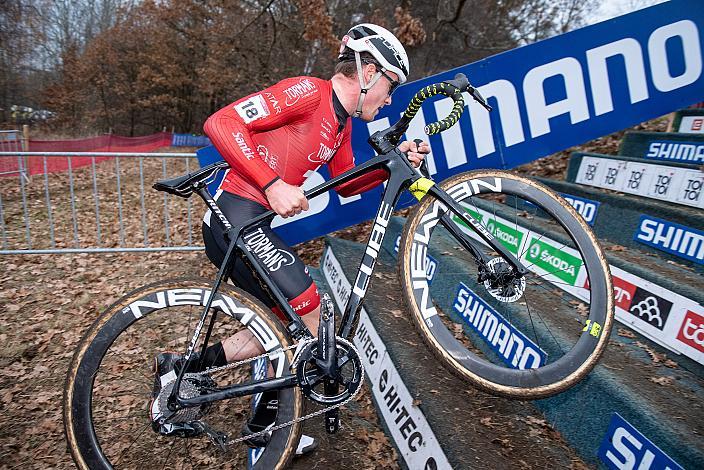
[{"x": 272, "y": 139}]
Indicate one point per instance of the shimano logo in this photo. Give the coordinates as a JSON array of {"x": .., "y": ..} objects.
[
  {"x": 512, "y": 346},
  {"x": 680, "y": 151},
  {"x": 589, "y": 87},
  {"x": 624, "y": 447},
  {"x": 676, "y": 239}
]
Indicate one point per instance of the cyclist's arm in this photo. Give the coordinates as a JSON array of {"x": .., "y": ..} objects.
[
  {"x": 231, "y": 128},
  {"x": 343, "y": 161}
]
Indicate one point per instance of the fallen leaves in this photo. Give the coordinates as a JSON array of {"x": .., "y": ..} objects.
[
  {"x": 662, "y": 380},
  {"x": 626, "y": 333}
]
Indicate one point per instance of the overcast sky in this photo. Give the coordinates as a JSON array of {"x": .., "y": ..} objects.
[{"x": 612, "y": 8}]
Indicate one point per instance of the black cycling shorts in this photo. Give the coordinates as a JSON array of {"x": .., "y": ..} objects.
[{"x": 283, "y": 265}]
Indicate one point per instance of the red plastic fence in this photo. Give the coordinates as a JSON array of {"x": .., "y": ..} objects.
[{"x": 103, "y": 143}]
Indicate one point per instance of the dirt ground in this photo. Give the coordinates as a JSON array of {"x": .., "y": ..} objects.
[{"x": 48, "y": 301}]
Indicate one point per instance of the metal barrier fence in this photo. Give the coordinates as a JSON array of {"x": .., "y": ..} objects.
[
  {"x": 101, "y": 207},
  {"x": 11, "y": 141}
]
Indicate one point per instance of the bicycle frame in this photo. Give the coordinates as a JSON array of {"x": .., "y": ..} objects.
[{"x": 402, "y": 176}]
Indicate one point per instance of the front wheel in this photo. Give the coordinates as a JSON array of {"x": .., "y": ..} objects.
[
  {"x": 522, "y": 337},
  {"x": 109, "y": 385}
]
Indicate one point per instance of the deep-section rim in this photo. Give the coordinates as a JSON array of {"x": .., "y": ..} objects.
[
  {"x": 252, "y": 303},
  {"x": 438, "y": 349}
]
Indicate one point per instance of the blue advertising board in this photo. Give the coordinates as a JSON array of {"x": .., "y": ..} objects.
[
  {"x": 676, "y": 239},
  {"x": 547, "y": 96},
  {"x": 509, "y": 343},
  {"x": 625, "y": 447}
]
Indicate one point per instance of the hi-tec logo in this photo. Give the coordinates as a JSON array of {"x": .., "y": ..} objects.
[
  {"x": 271, "y": 257},
  {"x": 372, "y": 251},
  {"x": 512, "y": 346},
  {"x": 601, "y": 64},
  {"x": 676, "y": 239},
  {"x": 239, "y": 138},
  {"x": 681, "y": 151},
  {"x": 305, "y": 87}
]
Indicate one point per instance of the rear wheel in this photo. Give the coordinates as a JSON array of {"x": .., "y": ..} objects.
[
  {"x": 522, "y": 337},
  {"x": 109, "y": 385}
]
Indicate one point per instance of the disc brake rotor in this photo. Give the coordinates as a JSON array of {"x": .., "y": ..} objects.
[{"x": 504, "y": 285}]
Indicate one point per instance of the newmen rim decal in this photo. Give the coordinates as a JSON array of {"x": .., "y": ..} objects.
[{"x": 587, "y": 343}]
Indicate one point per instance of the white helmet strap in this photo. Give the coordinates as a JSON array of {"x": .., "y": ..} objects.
[{"x": 364, "y": 87}]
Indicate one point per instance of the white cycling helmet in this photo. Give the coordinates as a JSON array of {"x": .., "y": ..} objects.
[{"x": 383, "y": 46}]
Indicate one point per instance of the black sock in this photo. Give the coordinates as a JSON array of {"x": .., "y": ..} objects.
[{"x": 214, "y": 357}]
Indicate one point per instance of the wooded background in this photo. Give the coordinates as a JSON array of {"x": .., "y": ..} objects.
[{"x": 136, "y": 67}]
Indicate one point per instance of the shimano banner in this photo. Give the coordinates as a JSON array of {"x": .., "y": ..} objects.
[{"x": 547, "y": 96}]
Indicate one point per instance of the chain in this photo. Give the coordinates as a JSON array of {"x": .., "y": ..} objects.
[{"x": 301, "y": 344}]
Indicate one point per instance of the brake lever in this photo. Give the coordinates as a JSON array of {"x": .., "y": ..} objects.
[
  {"x": 474, "y": 93},
  {"x": 423, "y": 168}
]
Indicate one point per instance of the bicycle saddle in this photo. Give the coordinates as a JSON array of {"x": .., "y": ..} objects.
[{"x": 183, "y": 186}]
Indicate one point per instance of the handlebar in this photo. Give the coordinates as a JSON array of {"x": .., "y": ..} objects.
[{"x": 385, "y": 140}]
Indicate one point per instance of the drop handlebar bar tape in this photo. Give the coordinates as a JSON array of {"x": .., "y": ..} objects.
[{"x": 449, "y": 89}]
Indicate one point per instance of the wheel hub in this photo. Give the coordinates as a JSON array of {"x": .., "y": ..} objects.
[{"x": 502, "y": 282}]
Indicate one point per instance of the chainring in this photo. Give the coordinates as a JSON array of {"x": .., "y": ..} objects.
[{"x": 312, "y": 380}]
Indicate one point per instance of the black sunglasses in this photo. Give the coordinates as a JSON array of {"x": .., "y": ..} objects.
[{"x": 394, "y": 83}]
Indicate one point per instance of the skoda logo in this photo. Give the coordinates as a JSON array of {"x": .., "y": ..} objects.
[{"x": 534, "y": 251}]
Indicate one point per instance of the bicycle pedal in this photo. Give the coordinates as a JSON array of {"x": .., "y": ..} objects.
[{"x": 332, "y": 421}]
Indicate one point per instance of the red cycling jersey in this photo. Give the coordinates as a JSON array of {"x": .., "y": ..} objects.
[{"x": 284, "y": 131}]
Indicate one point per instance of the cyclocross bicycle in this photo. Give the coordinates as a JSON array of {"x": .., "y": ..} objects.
[{"x": 528, "y": 313}]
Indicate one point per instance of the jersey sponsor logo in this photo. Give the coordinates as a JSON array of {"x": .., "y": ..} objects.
[
  {"x": 325, "y": 124},
  {"x": 512, "y": 346},
  {"x": 672, "y": 238},
  {"x": 692, "y": 331},
  {"x": 270, "y": 159},
  {"x": 271, "y": 257},
  {"x": 252, "y": 109},
  {"x": 239, "y": 138},
  {"x": 624, "y": 447},
  {"x": 273, "y": 101},
  {"x": 305, "y": 87},
  {"x": 681, "y": 151},
  {"x": 323, "y": 155}
]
